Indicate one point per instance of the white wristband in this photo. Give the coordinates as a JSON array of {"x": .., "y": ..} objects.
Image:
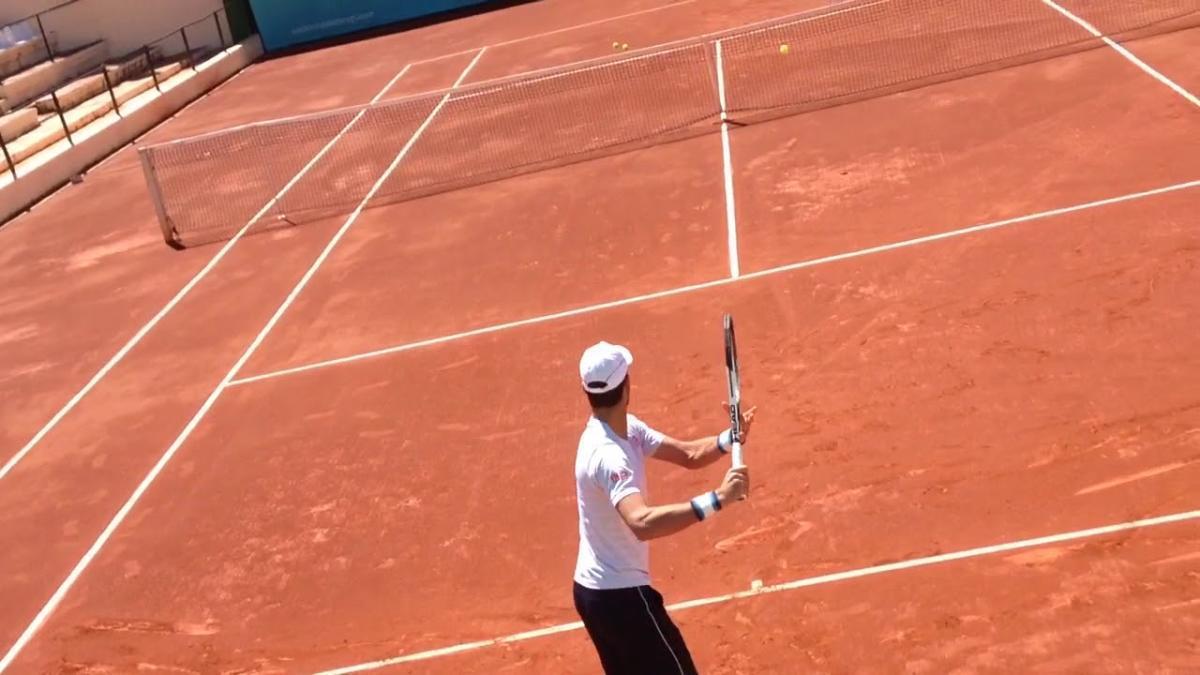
[
  {"x": 706, "y": 504},
  {"x": 725, "y": 440}
]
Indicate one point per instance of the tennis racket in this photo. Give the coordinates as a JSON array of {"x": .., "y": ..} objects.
[{"x": 735, "y": 391}]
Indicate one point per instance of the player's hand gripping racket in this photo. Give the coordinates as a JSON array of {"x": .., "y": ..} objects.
[{"x": 735, "y": 391}]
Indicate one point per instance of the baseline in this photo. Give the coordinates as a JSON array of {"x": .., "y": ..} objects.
[{"x": 791, "y": 586}]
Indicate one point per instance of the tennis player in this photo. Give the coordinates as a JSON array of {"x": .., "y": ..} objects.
[{"x": 623, "y": 615}]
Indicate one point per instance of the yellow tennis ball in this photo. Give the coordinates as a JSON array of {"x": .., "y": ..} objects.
[
  {"x": 784, "y": 49},
  {"x": 616, "y": 45},
  {"x": 624, "y": 46}
]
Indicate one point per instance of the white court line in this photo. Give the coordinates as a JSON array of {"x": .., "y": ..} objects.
[
  {"x": 727, "y": 158},
  {"x": 697, "y": 43},
  {"x": 541, "y": 75},
  {"x": 483, "y": 87},
  {"x": 556, "y": 31},
  {"x": 1120, "y": 49},
  {"x": 830, "y": 12},
  {"x": 577, "y": 69},
  {"x": 154, "y": 472},
  {"x": 135, "y": 142},
  {"x": 551, "y": 72},
  {"x": 662, "y": 49},
  {"x": 183, "y": 292},
  {"x": 791, "y": 586},
  {"x": 495, "y": 328},
  {"x": 800, "y": 17}
]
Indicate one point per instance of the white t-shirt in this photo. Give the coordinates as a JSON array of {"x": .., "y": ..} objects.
[{"x": 609, "y": 468}]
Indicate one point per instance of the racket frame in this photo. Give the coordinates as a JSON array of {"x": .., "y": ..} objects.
[{"x": 733, "y": 376}]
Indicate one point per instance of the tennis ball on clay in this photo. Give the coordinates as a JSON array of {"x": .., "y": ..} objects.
[
  {"x": 784, "y": 49},
  {"x": 616, "y": 45},
  {"x": 624, "y": 46}
]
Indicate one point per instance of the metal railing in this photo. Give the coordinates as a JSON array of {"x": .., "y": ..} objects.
[
  {"x": 209, "y": 25},
  {"x": 184, "y": 47},
  {"x": 18, "y": 32},
  {"x": 8, "y": 160}
]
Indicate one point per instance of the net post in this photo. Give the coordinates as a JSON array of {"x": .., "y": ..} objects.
[
  {"x": 187, "y": 48},
  {"x": 150, "y": 64},
  {"x": 61, "y": 117},
  {"x": 111, "y": 94},
  {"x": 160, "y": 207},
  {"x": 45, "y": 38},
  {"x": 220, "y": 30},
  {"x": 12, "y": 166},
  {"x": 720, "y": 67}
]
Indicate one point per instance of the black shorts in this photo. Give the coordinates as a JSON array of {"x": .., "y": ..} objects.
[{"x": 632, "y": 632}]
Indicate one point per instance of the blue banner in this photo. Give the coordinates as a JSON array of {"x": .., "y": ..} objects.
[{"x": 283, "y": 23}]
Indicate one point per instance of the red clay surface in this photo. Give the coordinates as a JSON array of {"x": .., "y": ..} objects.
[
  {"x": 1036, "y": 137},
  {"x": 1170, "y": 55},
  {"x": 654, "y": 220},
  {"x": 1056, "y": 615},
  {"x": 804, "y": 193},
  {"x": 1010, "y": 384},
  {"x": 976, "y": 391},
  {"x": 103, "y": 236},
  {"x": 268, "y": 159},
  {"x": 670, "y": 23},
  {"x": 75, "y": 480}
]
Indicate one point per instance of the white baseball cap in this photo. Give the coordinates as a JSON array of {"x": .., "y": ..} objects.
[{"x": 603, "y": 367}]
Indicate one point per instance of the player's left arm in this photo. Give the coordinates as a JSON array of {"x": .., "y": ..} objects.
[{"x": 701, "y": 452}]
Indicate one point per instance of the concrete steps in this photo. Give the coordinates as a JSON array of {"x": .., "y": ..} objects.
[
  {"x": 93, "y": 84},
  {"x": 54, "y": 166},
  {"x": 35, "y": 127},
  {"x": 18, "y": 89},
  {"x": 50, "y": 130},
  {"x": 17, "y": 124},
  {"x": 24, "y": 54}
]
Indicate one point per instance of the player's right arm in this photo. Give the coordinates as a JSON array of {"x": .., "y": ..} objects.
[
  {"x": 651, "y": 522},
  {"x": 701, "y": 452}
]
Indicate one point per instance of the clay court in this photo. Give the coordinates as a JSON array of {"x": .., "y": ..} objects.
[{"x": 967, "y": 312}]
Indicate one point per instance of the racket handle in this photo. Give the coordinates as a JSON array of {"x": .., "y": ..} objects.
[{"x": 738, "y": 460}]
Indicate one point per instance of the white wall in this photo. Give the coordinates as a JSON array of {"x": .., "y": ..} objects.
[
  {"x": 11, "y": 10},
  {"x": 124, "y": 24}
]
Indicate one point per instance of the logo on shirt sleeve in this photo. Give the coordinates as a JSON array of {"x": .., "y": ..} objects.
[{"x": 619, "y": 475}]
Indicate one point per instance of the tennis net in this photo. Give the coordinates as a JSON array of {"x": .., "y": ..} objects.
[{"x": 284, "y": 172}]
